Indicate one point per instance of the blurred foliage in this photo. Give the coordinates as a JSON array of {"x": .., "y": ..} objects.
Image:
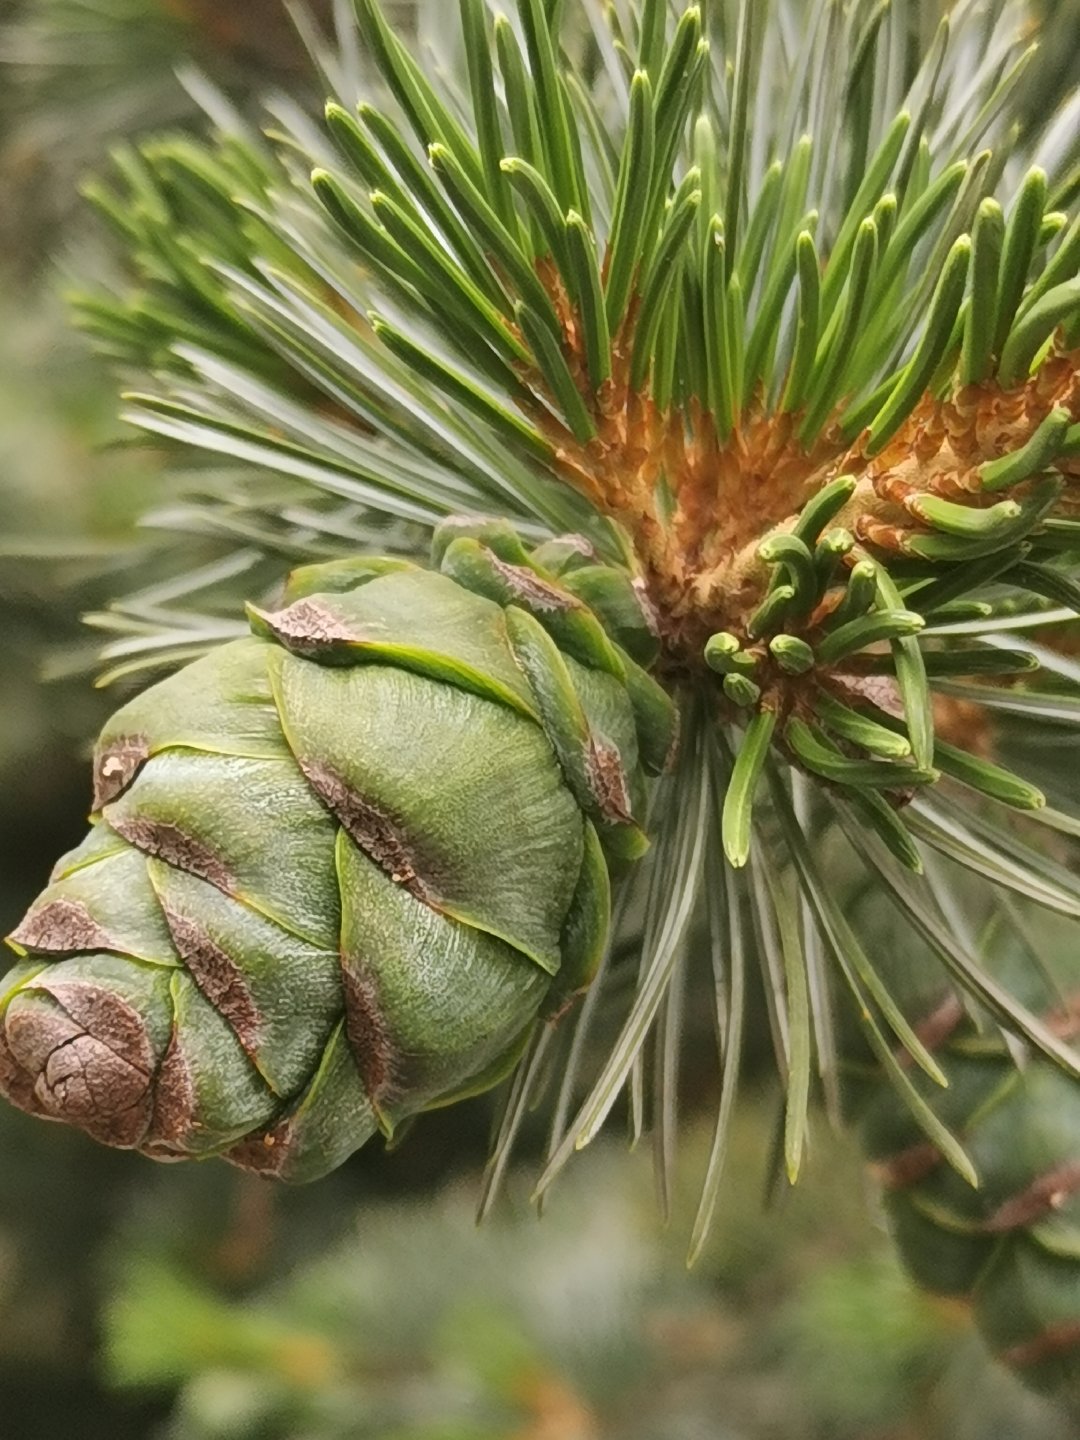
[
  {"x": 413, "y": 1325},
  {"x": 212, "y": 1306},
  {"x": 65, "y": 502},
  {"x": 81, "y": 74},
  {"x": 1055, "y": 24}
]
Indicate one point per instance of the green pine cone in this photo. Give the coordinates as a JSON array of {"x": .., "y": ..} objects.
[
  {"x": 338, "y": 870},
  {"x": 1012, "y": 1246}
]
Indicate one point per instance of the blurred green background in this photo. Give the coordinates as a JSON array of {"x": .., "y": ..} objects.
[{"x": 197, "y": 1303}]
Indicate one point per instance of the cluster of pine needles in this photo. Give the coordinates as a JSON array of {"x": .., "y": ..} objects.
[{"x": 778, "y": 306}]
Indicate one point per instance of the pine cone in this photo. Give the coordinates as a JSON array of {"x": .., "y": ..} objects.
[
  {"x": 1012, "y": 1246},
  {"x": 339, "y": 869}
]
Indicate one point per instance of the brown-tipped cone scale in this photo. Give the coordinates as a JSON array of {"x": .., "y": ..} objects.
[
  {"x": 338, "y": 870},
  {"x": 1011, "y": 1247}
]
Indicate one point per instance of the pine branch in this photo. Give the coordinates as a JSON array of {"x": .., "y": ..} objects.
[{"x": 792, "y": 337}]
